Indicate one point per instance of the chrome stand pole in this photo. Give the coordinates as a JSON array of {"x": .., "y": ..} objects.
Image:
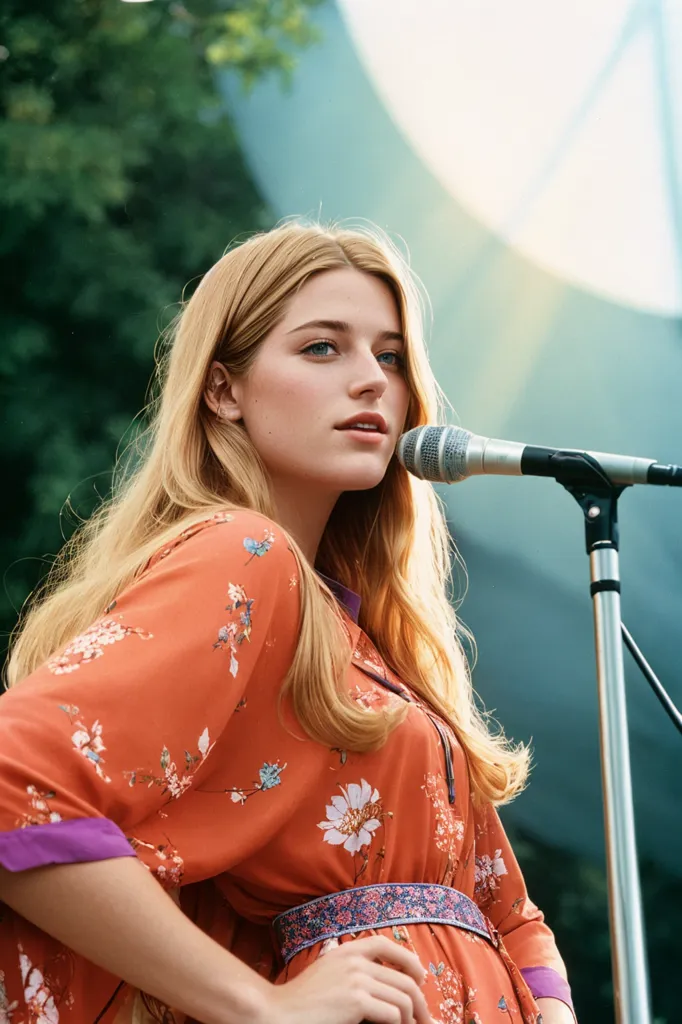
[
  {"x": 628, "y": 949},
  {"x": 583, "y": 477}
]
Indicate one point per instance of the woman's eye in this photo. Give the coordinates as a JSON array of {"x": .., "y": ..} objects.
[
  {"x": 395, "y": 359},
  {"x": 316, "y": 348},
  {"x": 321, "y": 349}
]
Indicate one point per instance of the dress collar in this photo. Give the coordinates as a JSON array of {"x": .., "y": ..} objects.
[{"x": 348, "y": 598}]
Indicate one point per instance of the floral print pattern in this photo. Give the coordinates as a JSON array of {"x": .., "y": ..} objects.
[
  {"x": 371, "y": 907},
  {"x": 90, "y": 645},
  {"x": 41, "y": 815},
  {"x": 449, "y": 827},
  {"x": 235, "y": 633},
  {"x": 487, "y": 876},
  {"x": 87, "y": 741},
  {"x": 456, "y": 998},
  {"x": 353, "y": 817},
  {"x": 367, "y": 699},
  {"x": 191, "y": 531},
  {"x": 6, "y": 1008},
  {"x": 258, "y": 548},
  {"x": 171, "y": 866},
  {"x": 38, "y": 995},
  {"x": 268, "y": 778},
  {"x": 172, "y": 783}
]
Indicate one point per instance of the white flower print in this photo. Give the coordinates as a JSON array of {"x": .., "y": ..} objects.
[
  {"x": 235, "y": 633},
  {"x": 171, "y": 781},
  {"x": 366, "y": 698},
  {"x": 449, "y": 827},
  {"x": 236, "y": 594},
  {"x": 457, "y": 1000},
  {"x": 90, "y": 645},
  {"x": 42, "y": 815},
  {"x": 486, "y": 874},
  {"x": 171, "y": 867},
  {"x": 353, "y": 817},
  {"x": 87, "y": 741},
  {"x": 6, "y": 1008},
  {"x": 39, "y": 999}
]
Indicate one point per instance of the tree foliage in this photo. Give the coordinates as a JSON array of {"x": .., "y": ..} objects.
[{"x": 120, "y": 181}]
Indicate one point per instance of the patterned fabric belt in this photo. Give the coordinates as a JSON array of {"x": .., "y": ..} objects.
[{"x": 376, "y": 906}]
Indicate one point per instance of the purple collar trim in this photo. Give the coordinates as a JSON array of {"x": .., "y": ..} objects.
[{"x": 348, "y": 598}]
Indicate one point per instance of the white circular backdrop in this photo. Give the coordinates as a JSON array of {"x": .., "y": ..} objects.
[{"x": 552, "y": 123}]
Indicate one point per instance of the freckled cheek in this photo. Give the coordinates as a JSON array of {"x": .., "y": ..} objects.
[
  {"x": 299, "y": 400},
  {"x": 287, "y": 409}
]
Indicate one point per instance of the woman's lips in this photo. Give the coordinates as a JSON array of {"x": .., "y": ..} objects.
[{"x": 358, "y": 434}]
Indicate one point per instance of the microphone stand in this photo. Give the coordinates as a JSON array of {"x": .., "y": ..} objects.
[{"x": 583, "y": 477}]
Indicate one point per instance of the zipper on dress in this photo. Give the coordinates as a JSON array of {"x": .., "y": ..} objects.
[{"x": 445, "y": 742}]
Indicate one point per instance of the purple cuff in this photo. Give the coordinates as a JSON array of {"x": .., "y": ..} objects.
[
  {"x": 62, "y": 842},
  {"x": 546, "y": 983}
]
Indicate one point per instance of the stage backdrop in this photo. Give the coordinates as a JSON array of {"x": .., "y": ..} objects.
[{"x": 528, "y": 156}]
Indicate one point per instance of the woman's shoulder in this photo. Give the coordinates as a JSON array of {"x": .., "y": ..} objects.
[{"x": 236, "y": 535}]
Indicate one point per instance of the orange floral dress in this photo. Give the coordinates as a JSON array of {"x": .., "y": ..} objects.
[{"x": 157, "y": 734}]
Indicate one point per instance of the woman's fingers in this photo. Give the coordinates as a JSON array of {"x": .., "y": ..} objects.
[
  {"x": 372, "y": 979},
  {"x": 389, "y": 978},
  {"x": 378, "y": 947},
  {"x": 395, "y": 1004}
]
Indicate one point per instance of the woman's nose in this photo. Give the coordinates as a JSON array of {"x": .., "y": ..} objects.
[{"x": 368, "y": 376}]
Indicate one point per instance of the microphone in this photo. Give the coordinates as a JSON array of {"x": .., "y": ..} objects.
[{"x": 451, "y": 454}]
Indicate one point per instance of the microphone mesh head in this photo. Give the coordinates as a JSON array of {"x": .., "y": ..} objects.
[
  {"x": 419, "y": 450},
  {"x": 406, "y": 449},
  {"x": 428, "y": 454}
]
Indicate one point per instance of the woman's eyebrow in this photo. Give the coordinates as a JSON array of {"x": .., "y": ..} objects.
[{"x": 343, "y": 327}]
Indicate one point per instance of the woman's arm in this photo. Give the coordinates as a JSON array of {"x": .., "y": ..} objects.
[
  {"x": 133, "y": 929},
  {"x": 554, "y": 1011}
]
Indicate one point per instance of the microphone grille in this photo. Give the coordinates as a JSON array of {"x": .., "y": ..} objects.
[
  {"x": 418, "y": 452},
  {"x": 429, "y": 463},
  {"x": 406, "y": 448},
  {"x": 437, "y": 454}
]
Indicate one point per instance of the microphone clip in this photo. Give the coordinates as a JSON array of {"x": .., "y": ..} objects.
[{"x": 583, "y": 477}]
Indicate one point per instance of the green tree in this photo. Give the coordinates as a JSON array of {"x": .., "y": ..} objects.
[{"x": 120, "y": 181}]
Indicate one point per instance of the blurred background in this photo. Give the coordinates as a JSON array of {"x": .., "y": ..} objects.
[{"x": 528, "y": 157}]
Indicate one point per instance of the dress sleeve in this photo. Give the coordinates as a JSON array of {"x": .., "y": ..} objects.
[
  {"x": 500, "y": 892},
  {"x": 124, "y": 719}
]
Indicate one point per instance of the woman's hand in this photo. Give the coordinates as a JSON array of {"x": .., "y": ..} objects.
[{"x": 347, "y": 985}]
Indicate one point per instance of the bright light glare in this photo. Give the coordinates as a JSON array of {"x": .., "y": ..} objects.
[{"x": 545, "y": 122}]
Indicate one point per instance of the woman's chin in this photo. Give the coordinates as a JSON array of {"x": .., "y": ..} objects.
[{"x": 362, "y": 481}]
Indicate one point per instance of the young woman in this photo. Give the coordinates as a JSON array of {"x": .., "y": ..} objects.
[{"x": 242, "y": 776}]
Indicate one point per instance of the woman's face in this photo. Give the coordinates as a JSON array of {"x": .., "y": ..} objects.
[{"x": 336, "y": 355}]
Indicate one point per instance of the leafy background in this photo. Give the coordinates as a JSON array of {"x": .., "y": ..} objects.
[{"x": 121, "y": 182}]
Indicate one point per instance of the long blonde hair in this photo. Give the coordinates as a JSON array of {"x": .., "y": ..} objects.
[{"x": 390, "y": 544}]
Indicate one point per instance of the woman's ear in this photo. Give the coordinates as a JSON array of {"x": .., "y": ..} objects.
[{"x": 219, "y": 394}]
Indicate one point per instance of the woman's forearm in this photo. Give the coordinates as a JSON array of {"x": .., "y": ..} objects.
[
  {"x": 554, "y": 1011},
  {"x": 116, "y": 915}
]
